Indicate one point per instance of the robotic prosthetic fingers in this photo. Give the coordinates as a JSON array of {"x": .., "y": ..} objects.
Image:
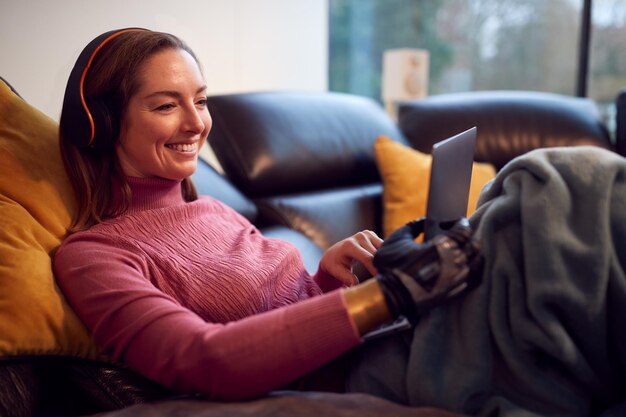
[{"x": 416, "y": 277}]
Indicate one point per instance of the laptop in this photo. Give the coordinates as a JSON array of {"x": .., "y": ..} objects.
[
  {"x": 448, "y": 194},
  {"x": 450, "y": 177}
]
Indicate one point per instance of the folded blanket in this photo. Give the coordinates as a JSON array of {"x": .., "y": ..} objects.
[{"x": 543, "y": 334}]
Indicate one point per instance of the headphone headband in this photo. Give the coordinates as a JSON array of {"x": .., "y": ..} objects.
[{"x": 83, "y": 118}]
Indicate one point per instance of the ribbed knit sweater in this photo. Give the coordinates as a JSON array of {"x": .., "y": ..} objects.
[{"x": 191, "y": 295}]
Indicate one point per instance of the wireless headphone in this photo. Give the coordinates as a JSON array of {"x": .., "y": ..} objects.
[{"x": 89, "y": 123}]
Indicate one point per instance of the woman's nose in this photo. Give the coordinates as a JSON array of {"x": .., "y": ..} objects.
[{"x": 193, "y": 120}]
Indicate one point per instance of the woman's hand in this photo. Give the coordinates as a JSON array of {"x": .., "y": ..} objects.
[{"x": 339, "y": 258}]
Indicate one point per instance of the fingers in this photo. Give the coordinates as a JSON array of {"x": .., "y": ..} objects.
[
  {"x": 364, "y": 246},
  {"x": 368, "y": 240},
  {"x": 339, "y": 258},
  {"x": 344, "y": 276}
]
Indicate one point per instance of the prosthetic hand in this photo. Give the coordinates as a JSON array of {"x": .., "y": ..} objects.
[{"x": 415, "y": 277}]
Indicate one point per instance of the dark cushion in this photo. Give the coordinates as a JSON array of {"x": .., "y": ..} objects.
[
  {"x": 509, "y": 123},
  {"x": 278, "y": 143},
  {"x": 327, "y": 216},
  {"x": 63, "y": 385}
]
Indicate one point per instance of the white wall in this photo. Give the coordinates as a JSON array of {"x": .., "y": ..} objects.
[{"x": 243, "y": 45}]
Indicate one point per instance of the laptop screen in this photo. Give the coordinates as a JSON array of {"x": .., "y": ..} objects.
[{"x": 450, "y": 178}]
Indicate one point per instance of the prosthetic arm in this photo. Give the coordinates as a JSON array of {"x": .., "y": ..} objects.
[{"x": 415, "y": 277}]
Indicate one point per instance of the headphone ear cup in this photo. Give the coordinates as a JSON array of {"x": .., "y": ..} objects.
[{"x": 106, "y": 124}]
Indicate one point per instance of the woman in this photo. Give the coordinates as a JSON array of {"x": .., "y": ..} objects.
[{"x": 181, "y": 288}]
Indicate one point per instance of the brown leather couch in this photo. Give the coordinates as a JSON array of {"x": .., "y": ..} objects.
[{"x": 301, "y": 167}]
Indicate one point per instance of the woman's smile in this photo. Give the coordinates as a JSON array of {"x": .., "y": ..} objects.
[{"x": 184, "y": 148}]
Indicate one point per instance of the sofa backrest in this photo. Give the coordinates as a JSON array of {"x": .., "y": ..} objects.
[
  {"x": 305, "y": 158},
  {"x": 509, "y": 123},
  {"x": 274, "y": 143}
]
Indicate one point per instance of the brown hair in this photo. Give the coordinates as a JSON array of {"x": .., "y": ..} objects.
[{"x": 113, "y": 78}]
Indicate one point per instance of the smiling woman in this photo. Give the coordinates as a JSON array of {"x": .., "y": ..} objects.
[{"x": 184, "y": 289}]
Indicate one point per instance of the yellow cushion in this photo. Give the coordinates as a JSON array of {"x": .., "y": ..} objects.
[
  {"x": 35, "y": 210},
  {"x": 405, "y": 173}
]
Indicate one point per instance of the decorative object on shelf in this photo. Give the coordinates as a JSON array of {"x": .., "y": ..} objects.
[{"x": 405, "y": 76}]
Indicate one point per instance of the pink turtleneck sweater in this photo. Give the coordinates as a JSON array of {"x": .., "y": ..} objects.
[{"x": 194, "y": 297}]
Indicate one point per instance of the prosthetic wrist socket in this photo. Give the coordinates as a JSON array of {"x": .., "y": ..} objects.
[{"x": 416, "y": 277}]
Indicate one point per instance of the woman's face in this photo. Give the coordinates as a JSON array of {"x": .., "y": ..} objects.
[{"x": 166, "y": 122}]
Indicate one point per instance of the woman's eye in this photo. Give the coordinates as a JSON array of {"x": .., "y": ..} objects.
[{"x": 165, "y": 107}]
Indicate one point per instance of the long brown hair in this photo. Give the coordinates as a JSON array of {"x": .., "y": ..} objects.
[{"x": 112, "y": 78}]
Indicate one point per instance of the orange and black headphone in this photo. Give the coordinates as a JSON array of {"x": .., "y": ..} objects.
[{"x": 89, "y": 123}]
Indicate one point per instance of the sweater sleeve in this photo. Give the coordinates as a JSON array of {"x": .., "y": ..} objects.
[
  {"x": 152, "y": 333},
  {"x": 326, "y": 282}
]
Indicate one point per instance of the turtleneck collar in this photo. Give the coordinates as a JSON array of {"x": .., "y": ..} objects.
[{"x": 153, "y": 193}]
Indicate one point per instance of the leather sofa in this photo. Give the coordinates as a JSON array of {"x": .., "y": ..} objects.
[
  {"x": 304, "y": 162},
  {"x": 301, "y": 167}
]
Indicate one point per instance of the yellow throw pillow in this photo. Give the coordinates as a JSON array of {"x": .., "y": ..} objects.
[
  {"x": 405, "y": 173},
  {"x": 35, "y": 210}
]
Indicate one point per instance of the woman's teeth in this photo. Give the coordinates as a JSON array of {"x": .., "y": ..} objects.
[{"x": 182, "y": 147}]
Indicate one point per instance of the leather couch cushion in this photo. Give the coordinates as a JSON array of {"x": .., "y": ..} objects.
[
  {"x": 278, "y": 143},
  {"x": 326, "y": 216},
  {"x": 509, "y": 123},
  {"x": 406, "y": 176},
  {"x": 35, "y": 210}
]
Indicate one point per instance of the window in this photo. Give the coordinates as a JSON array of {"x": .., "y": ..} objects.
[
  {"x": 480, "y": 44},
  {"x": 607, "y": 66}
]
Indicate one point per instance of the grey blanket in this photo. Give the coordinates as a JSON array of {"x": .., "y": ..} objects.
[{"x": 544, "y": 333}]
